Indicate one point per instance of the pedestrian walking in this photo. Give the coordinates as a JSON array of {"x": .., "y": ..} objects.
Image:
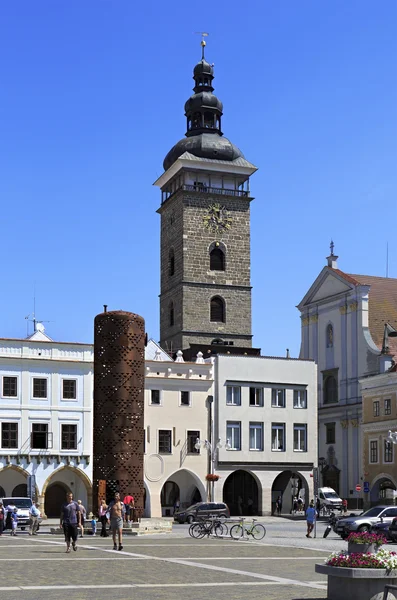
[
  {"x": 70, "y": 520},
  {"x": 279, "y": 503},
  {"x": 103, "y": 508},
  {"x": 93, "y": 525},
  {"x": 310, "y": 518},
  {"x": 344, "y": 505},
  {"x": 2, "y": 518},
  {"x": 128, "y": 503},
  {"x": 34, "y": 515},
  {"x": 117, "y": 510},
  {"x": 14, "y": 521},
  {"x": 83, "y": 514}
]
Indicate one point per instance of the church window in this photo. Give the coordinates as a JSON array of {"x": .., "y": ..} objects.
[
  {"x": 330, "y": 336},
  {"x": 217, "y": 311},
  {"x": 171, "y": 263},
  {"x": 217, "y": 260},
  {"x": 330, "y": 390},
  {"x": 171, "y": 314}
]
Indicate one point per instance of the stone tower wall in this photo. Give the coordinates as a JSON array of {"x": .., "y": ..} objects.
[{"x": 193, "y": 284}]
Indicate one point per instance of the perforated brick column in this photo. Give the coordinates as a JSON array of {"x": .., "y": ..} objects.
[{"x": 119, "y": 361}]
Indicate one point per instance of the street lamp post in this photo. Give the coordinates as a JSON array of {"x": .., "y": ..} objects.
[{"x": 212, "y": 451}]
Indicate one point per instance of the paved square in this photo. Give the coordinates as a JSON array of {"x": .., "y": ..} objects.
[{"x": 159, "y": 567}]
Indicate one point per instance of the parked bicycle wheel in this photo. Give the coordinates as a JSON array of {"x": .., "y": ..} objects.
[
  {"x": 236, "y": 532},
  {"x": 220, "y": 529},
  {"x": 258, "y": 532},
  {"x": 197, "y": 531}
]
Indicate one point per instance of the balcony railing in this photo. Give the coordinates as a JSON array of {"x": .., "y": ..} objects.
[{"x": 203, "y": 189}]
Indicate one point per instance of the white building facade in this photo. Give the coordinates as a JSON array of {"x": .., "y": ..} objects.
[
  {"x": 266, "y": 411},
  {"x": 343, "y": 318},
  {"x": 46, "y": 391}
]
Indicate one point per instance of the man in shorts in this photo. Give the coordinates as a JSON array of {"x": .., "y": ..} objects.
[
  {"x": 70, "y": 519},
  {"x": 310, "y": 518},
  {"x": 117, "y": 510}
]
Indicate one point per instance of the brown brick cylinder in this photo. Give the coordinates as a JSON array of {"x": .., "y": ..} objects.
[{"x": 119, "y": 381}]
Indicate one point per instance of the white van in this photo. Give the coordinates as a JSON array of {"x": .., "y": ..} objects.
[
  {"x": 23, "y": 505},
  {"x": 329, "y": 498}
]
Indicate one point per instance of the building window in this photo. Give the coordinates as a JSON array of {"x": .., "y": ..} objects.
[
  {"x": 39, "y": 388},
  {"x": 300, "y": 398},
  {"x": 9, "y": 435},
  {"x": 233, "y": 395},
  {"x": 278, "y": 437},
  {"x": 376, "y": 408},
  {"x": 233, "y": 434},
  {"x": 300, "y": 437},
  {"x": 192, "y": 437},
  {"x": 217, "y": 260},
  {"x": 10, "y": 387},
  {"x": 388, "y": 451},
  {"x": 69, "y": 389},
  {"x": 171, "y": 314},
  {"x": 171, "y": 263},
  {"x": 387, "y": 406},
  {"x": 330, "y": 336},
  {"x": 217, "y": 312},
  {"x": 39, "y": 438},
  {"x": 256, "y": 396},
  {"x": 373, "y": 451},
  {"x": 330, "y": 433},
  {"x": 256, "y": 436},
  {"x": 330, "y": 390},
  {"x": 155, "y": 397},
  {"x": 164, "y": 441},
  {"x": 185, "y": 398},
  {"x": 69, "y": 437},
  {"x": 278, "y": 398}
]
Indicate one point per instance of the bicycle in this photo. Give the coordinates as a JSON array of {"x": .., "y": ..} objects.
[
  {"x": 257, "y": 530},
  {"x": 208, "y": 527}
]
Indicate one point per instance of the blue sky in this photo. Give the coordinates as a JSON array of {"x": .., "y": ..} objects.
[{"x": 92, "y": 96}]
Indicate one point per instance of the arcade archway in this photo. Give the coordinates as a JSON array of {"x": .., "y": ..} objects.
[
  {"x": 54, "y": 498},
  {"x": 183, "y": 485},
  {"x": 289, "y": 485},
  {"x": 241, "y": 493},
  {"x": 382, "y": 491}
]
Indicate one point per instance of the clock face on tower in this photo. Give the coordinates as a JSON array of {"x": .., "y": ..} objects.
[{"x": 217, "y": 218}]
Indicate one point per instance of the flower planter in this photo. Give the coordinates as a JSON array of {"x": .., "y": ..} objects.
[
  {"x": 353, "y": 547},
  {"x": 357, "y": 584}
]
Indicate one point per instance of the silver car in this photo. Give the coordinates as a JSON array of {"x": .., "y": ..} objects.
[{"x": 366, "y": 520}]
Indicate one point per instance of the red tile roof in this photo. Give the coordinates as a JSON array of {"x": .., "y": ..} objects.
[{"x": 382, "y": 305}]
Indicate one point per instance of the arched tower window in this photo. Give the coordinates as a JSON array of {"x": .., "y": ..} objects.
[
  {"x": 330, "y": 336},
  {"x": 171, "y": 263},
  {"x": 217, "y": 260},
  {"x": 171, "y": 314},
  {"x": 217, "y": 310},
  {"x": 196, "y": 120},
  {"x": 330, "y": 390},
  {"x": 208, "y": 120}
]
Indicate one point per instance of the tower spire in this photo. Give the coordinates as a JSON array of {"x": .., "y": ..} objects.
[
  {"x": 203, "y": 43},
  {"x": 332, "y": 258}
]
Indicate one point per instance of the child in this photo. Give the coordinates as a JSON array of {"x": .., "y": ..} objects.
[
  {"x": 14, "y": 521},
  {"x": 93, "y": 525}
]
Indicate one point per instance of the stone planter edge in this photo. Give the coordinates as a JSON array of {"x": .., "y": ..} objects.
[{"x": 355, "y": 573}]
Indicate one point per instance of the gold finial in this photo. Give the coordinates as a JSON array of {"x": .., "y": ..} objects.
[{"x": 203, "y": 43}]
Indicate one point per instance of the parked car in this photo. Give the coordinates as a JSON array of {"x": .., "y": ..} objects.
[
  {"x": 23, "y": 505},
  {"x": 382, "y": 528},
  {"x": 202, "y": 510},
  {"x": 393, "y": 530},
  {"x": 366, "y": 520}
]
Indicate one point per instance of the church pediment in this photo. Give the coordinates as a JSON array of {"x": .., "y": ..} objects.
[{"x": 328, "y": 284}]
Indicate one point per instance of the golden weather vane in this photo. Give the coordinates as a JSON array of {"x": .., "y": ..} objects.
[{"x": 203, "y": 34}]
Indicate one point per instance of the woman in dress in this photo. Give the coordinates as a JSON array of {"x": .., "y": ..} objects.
[{"x": 103, "y": 517}]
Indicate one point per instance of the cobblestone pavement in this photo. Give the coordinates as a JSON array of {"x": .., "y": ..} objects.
[{"x": 168, "y": 567}]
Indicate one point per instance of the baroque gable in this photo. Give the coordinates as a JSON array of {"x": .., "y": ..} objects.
[{"x": 329, "y": 285}]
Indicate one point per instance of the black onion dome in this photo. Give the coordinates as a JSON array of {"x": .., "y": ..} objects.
[
  {"x": 203, "y": 68},
  {"x": 203, "y": 99},
  {"x": 205, "y": 145}
]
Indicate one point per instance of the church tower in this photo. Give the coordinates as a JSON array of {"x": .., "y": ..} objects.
[{"x": 205, "y": 230}]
